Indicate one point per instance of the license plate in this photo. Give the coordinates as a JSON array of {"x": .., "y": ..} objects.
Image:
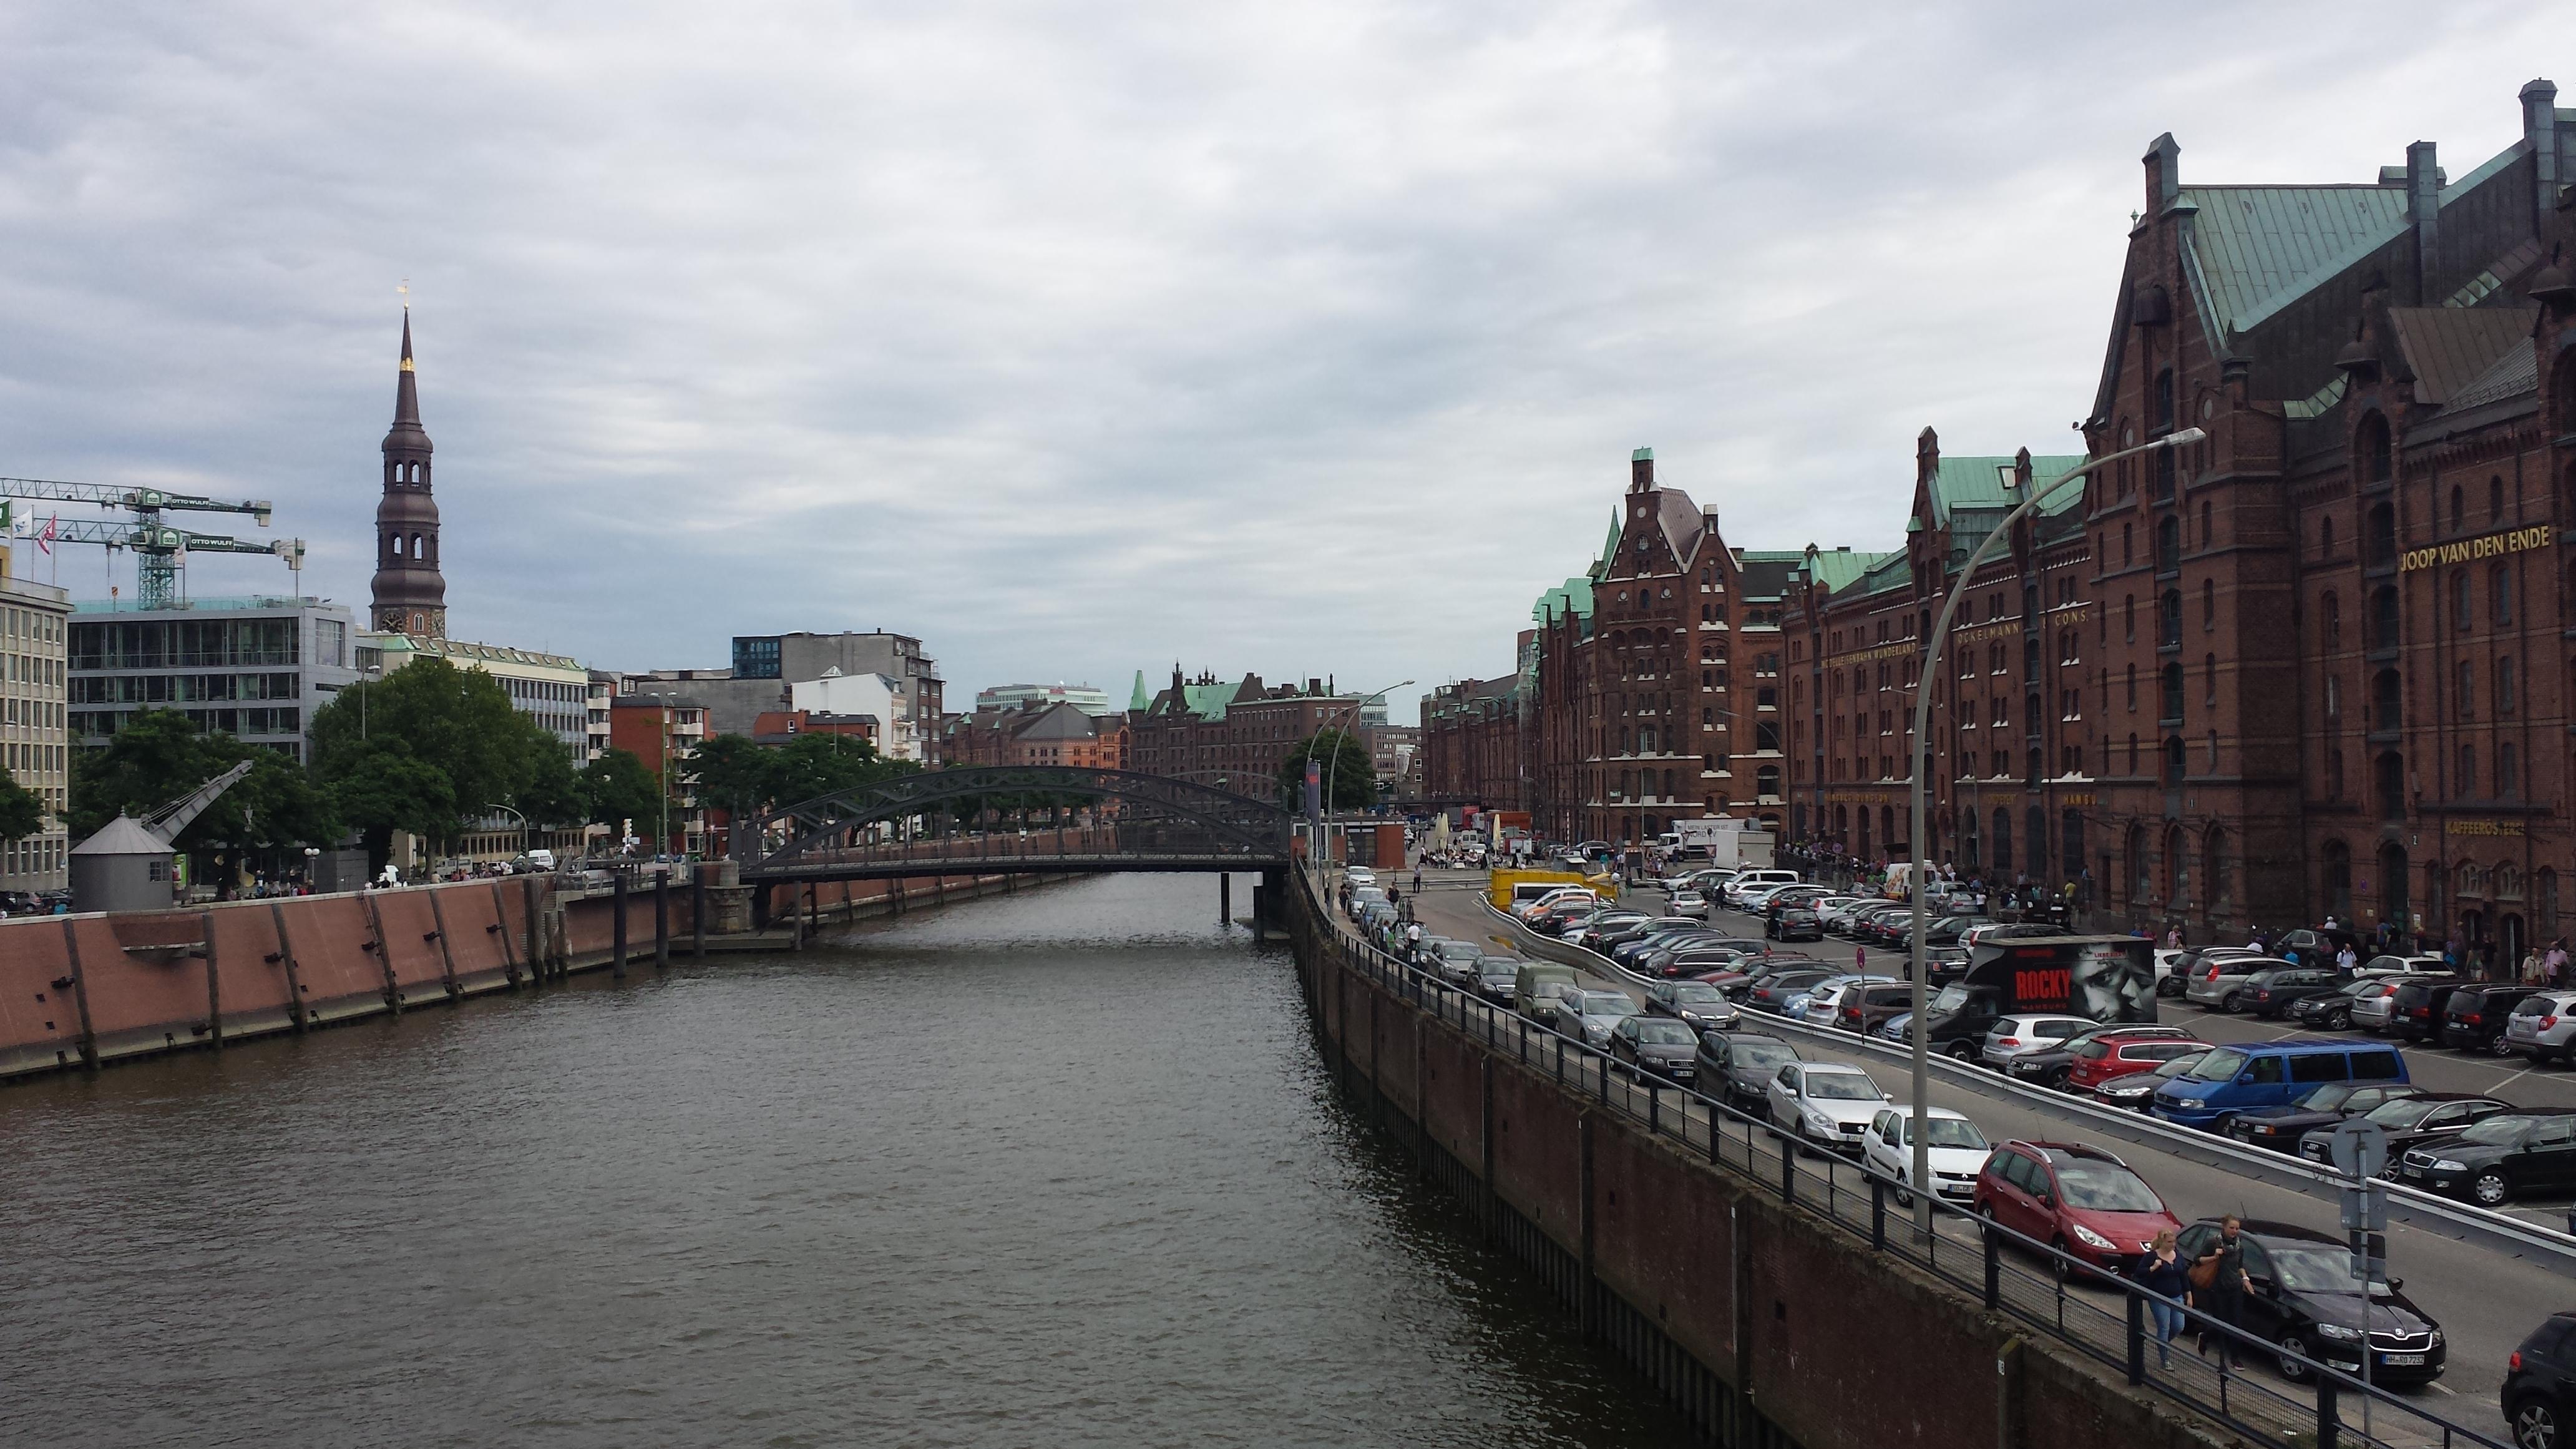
[
  {"x": 2401, "y": 1360},
  {"x": 2412, "y": 1171}
]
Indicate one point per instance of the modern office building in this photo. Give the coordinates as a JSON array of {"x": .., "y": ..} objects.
[
  {"x": 255, "y": 668},
  {"x": 33, "y": 635},
  {"x": 1005, "y": 697}
]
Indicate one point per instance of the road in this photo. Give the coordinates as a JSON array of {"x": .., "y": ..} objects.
[{"x": 2485, "y": 1301}]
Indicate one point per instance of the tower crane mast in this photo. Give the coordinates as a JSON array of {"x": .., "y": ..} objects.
[{"x": 160, "y": 549}]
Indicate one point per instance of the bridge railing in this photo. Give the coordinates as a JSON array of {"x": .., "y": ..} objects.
[
  {"x": 2009, "y": 1271},
  {"x": 1033, "y": 845}
]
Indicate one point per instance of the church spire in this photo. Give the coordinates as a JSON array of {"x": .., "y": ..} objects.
[{"x": 410, "y": 593}]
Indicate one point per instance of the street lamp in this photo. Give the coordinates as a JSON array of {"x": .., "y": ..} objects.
[
  {"x": 1921, "y": 762},
  {"x": 1324, "y": 796},
  {"x": 525, "y": 831}
]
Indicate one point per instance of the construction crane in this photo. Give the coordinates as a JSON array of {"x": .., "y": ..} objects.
[{"x": 159, "y": 548}]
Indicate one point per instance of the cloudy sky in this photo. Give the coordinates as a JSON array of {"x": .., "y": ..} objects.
[{"x": 1079, "y": 339}]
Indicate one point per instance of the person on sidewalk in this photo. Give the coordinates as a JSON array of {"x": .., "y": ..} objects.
[
  {"x": 2161, "y": 1272},
  {"x": 2222, "y": 1295}
]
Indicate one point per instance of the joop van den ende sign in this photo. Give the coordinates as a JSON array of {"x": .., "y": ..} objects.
[{"x": 2516, "y": 540}]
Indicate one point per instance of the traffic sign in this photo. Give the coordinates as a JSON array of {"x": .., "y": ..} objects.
[
  {"x": 2365, "y": 1208},
  {"x": 2360, "y": 1149}
]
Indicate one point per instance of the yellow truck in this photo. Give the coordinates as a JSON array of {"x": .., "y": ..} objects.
[{"x": 1503, "y": 887}]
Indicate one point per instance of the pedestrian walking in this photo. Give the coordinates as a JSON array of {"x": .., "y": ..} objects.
[
  {"x": 2553, "y": 966},
  {"x": 2161, "y": 1272},
  {"x": 1417, "y": 880},
  {"x": 1413, "y": 942},
  {"x": 2219, "y": 1285},
  {"x": 2346, "y": 962},
  {"x": 2173, "y": 937}
]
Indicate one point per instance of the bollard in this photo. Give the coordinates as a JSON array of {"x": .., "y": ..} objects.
[
  {"x": 697, "y": 913},
  {"x": 617, "y": 951},
  {"x": 1224, "y": 899},
  {"x": 662, "y": 921}
]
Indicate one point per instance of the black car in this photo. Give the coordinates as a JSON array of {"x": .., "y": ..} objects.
[
  {"x": 2269, "y": 992},
  {"x": 2307, "y": 1299},
  {"x": 1772, "y": 992},
  {"x": 2415, "y": 1012},
  {"x": 2411, "y": 1122},
  {"x": 1656, "y": 1046},
  {"x": 2540, "y": 1385},
  {"x": 1797, "y": 923},
  {"x": 2320, "y": 1107},
  {"x": 2332, "y": 1010},
  {"x": 1737, "y": 1067},
  {"x": 2473, "y": 1020},
  {"x": 2493, "y": 1161},
  {"x": 1497, "y": 976}
]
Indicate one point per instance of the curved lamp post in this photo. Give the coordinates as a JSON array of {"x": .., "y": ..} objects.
[
  {"x": 1324, "y": 795},
  {"x": 1922, "y": 760}
]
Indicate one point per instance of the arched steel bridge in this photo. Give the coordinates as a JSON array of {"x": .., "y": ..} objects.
[{"x": 1012, "y": 818}]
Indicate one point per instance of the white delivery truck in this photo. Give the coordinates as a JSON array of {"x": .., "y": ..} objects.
[{"x": 1718, "y": 840}]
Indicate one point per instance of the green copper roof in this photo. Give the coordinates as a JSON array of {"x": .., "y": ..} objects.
[
  {"x": 1208, "y": 701},
  {"x": 2263, "y": 247},
  {"x": 1840, "y": 568},
  {"x": 1573, "y": 597},
  {"x": 1137, "y": 698}
]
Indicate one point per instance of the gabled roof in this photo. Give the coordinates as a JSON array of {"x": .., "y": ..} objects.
[
  {"x": 2262, "y": 247},
  {"x": 1977, "y": 485},
  {"x": 2513, "y": 375},
  {"x": 1058, "y": 721},
  {"x": 2449, "y": 347},
  {"x": 1839, "y": 568},
  {"x": 1573, "y": 597}
]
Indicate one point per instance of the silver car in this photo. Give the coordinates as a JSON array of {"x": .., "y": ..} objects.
[
  {"x": 1598, "y": 1013},
  {"x": 2543, "y": 1026},
  {"x": 2214, "y": 984},
  {"x": 1825, "y": 1104},
  {"x": 2370, "y": 1009},
  {"x": 2014, "y": 1035}
]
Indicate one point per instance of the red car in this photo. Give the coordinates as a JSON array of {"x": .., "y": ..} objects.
[
  {"x": 2118, "y": 1053},
  {"x": 2080, "y": 1200}
]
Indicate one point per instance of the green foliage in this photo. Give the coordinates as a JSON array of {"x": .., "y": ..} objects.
[
  {"x": 620, "y": 788},
  {"x": 731, "y": 773},
  {"x": 21, "y": 813},
  {"x": 160, "y": 755},
  {"x": 1350, "y": 781},
  {"x": 431, "y": 748}
]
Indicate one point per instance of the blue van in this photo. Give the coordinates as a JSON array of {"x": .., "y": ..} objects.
[{"x": 2232, "y": 1079}]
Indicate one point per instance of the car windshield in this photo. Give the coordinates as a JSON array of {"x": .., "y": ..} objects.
[
  {"x": 1607, "y": 1003},
  {"x": 2401, "y": 1114},
  {"x": 1666, "y": 1033},
  {"x": 2181, "y": 1066},
  {"x": 2221, "y": 1065},
  {"x": 1953, "y": 1132},
  {"x": 1763, "y": 1052},
  {"x": 1841, "y": 1087},
  {"x": 2495, "y": 1131},
  {"x": 2105, "y": 1187},
  {"x": 2325, "y": 1098},
  {"x": 2312, "y": 1267},
  {"x": 1952, "y": 997},
  {"x": 1696, "y": 993}
]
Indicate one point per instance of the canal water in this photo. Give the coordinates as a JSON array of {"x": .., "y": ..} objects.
[{"x": 1058, "y": 1168}]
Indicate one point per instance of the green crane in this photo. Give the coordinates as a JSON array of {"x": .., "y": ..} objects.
[{"x": 160, "y": 549}]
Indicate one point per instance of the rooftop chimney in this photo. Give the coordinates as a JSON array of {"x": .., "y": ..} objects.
[
  {"x": 2164, "y": 173},
  {"x": 1641, "y": 470},
  {"x": 2424, "y": 209},
  {"x": 2540, "y": 128}
]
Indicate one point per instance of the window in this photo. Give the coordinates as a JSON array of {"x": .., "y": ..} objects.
[
  {"x": 2383, "y": 537},
  {"x": 2330, "y": 619},
  {"x": 2209, "y": 679},
  {"x": 2495, "y": 500},
  {"x": 2467, "y": 783},
  {"x": 2508, "y": 771},
  {"x": 2460, "y": 600},
  {"x": 2504, "y": 700},
  {"x": 2501, "y": 586},
  {"x": 2325, "y": 537},
  {"x": 2334, "y": 774},
  {"x": 2125, "y": 554},
  {"x": 2464, "y": 699},
  {"x": 2133, "y": 689},
  {"x": 2208, "y": 604},
  {"x": 2129, "y": 618},
  {"x": 2459, "y": 513}
]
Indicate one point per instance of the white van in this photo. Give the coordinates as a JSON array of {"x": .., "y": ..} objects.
[{"x": 1746, "y": 882}]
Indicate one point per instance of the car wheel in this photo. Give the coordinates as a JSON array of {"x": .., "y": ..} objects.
[
  {"x": 2339, "y": 1021},
  {"x": 2231, "y": 1005},
  {"x": 2490, "y": 1189},
  {"x": 2498, "y": 1046},
  {"x": 2535, "y": 1424},
  {"x": 2291, "y": 1369},
  {"x": 2057, "y": 1079}
]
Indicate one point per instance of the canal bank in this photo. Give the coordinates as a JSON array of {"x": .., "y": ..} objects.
[
  {"x": 1762, "y": 1323},
  {"x": 1060, "y": 1168}
]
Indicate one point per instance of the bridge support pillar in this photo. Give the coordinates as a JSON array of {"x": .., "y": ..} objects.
[
  {"x": 1225, "y": 899},
  {"x": 617, "y": 950},
  {"x": 662, "y": 921}
]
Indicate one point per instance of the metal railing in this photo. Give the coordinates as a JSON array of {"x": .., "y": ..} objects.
[{"x": 2008, "y": 1271}]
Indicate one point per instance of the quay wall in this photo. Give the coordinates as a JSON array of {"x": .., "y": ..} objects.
[
  {"x": 88, "y": 990},
  {"x": 1761, "y": 1324}
]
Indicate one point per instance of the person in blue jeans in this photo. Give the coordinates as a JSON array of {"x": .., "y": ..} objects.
[{"x": 2160, "y": 1271}]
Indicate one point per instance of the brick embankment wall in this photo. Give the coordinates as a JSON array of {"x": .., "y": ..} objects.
[{"x": 1762, "y": 1325}]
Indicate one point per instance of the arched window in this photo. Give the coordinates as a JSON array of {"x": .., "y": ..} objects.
[
  {"x": 2388, "y": 781},
  {"x": 2508, "y": 772},
  {"x": 2177, "y": 866},
  {"x": 2133, "y": 689},
  {"x": 2125, "y": 535},
  {"x": 2209, "y": 680},
  {"x": 2459, "y": 509},
  {"x": 2334, "y": 774},
  {"x": 2334, "y": 698},
  {"x": 2133, "y": 754},
  {"x": 2214, "y": 868},
  {"x": 1766, "y": 781},
  {"x": 2386, "y": 709},
  {"x": 2168, "y": 546},
  {"x": 2208, "y": 604},
  {"x": 2330, "y": 619},
  {"x": 2141, "y": 882},
  {"x": 2003, "y": 839},
  {"x": 2506, "y": 695},
  {"x": 2175, "y": 761},
  {"x": 2383, "y": 617},
  {"x": 2467, "y": 783},
  {"x": 2500, "y": 592},
  {"x": 2460, "y": 600},
  {"x": 2383, "y": 536},
  {"x": 2495, "y": 500},
  {"x": 2129, "y": 618},
  {"x": 2325, "y": 536},
  {"x": 2164, "y": 400},
  {"x": 2169, "y": 618}
]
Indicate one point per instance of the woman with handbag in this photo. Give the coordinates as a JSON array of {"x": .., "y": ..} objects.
[
  {"x": 2161, "y": 1272},
  {"x": 2219, "y": 1285}
]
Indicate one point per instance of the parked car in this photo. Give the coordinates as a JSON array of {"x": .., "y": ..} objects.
[
  {"x": 2411, "y": 1122},
  {"x": 2323, "y": 1105},
  {"x": 1798, "y": 923},
  {"x": 2112, "y": 1051},
  {"x": 1825, "y": 1104},
  {"x": 1451, "y": 959},
  {"x": 2247, "y": 1075},
  {"x": 2332, "y": 1010},
  {"x": 2543, "y": 1026},
  {"x": 2406, "y": 966},
  {"x": 1772, "y": 992},
  {"x": 1737, "y": 1067},
  {"x": 1695, "y": 1004},
  {"x": 2415, "y": 1012},
  {"x": 1954, "y": 1144},
  {"x": 1534, "y": 991},
  {"x": 2193, "y": 963},
  {"x": 2376, "y": 1014},
  {"x": 1817, "y": 1005},
  {"x": 2474, "y": 1018},
  {"x": 2270, "y": 992},
  {"x": 1687, "y": 902},
  {"x": 2137, "y": 1090},
  {"x": 1657, "y": 1046},
  {"x": 1867, "y": 1007},
  {"x": 2308, "y": 1300},
  {"x": 2010, "y": 1036},
  {"x": 2216, "y": 984},
  {"x": 2539, "y": 1397},
  {"x": 1496, "y": 976},
  {"x": 2080, "y": 1200},
  {"x": 2492, "y": 1162},
  {"x": 1597, "y": 1014}
]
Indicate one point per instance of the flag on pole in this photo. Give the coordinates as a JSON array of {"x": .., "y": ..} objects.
[{"x": 45, "y": 540}]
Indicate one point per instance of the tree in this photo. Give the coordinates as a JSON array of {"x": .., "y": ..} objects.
[
  {"x": 825, "y": 764},
  {"x": 621, "y": 789},
  {"x": 161, "y": 755},
  {"x": 456, "y": 723},
  {"x": 1350, "y": 780},
  {"x": 21, "y": 813},
  {"x": 383, "y": 787},
  {"x": 552, "y": 796},
  {"x": 731, "y": 773}
]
